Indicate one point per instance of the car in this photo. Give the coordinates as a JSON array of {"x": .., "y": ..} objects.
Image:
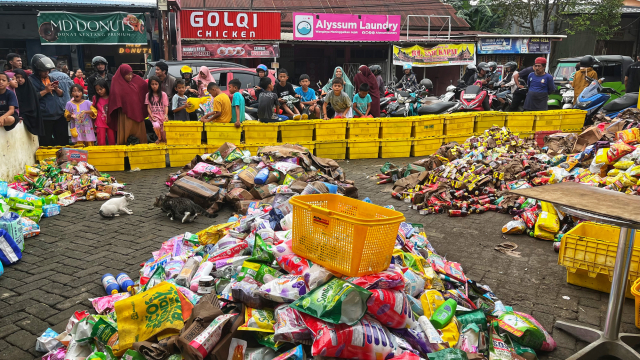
[{"x": 175, "y": 66}]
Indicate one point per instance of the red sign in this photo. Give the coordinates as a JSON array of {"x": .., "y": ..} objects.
[
  {"x": 226, "y": 51},
  {"x": 229, "y": 25}
]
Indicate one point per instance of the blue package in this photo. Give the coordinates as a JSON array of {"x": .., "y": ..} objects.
[
  {"x": 50, "y": 210},
  {"x": 4, "y": 186},
  {"x": 9, "y": 251}
]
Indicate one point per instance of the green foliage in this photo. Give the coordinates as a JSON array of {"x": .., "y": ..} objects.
[
  {"x": 601, "y": 17},
  {"x": 480, "y": 16}
]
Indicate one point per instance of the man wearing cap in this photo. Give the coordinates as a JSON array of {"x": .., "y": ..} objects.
[{"x": 540, "y": 86}]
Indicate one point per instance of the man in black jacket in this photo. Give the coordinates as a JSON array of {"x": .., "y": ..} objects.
[{"x": 100, "y": 65}]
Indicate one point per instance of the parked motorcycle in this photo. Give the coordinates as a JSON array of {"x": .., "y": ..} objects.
[
  {"x": 250, "y": 106},
  {"x": 614, "y": 107},
  {"x": 474, "y": 98},
  {"x": 593, "y": 98},
  {"x": 567, "y": 99}
]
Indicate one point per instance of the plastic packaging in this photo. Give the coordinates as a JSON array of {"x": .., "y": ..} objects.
[
  {"x": 187, "y": 272},
  {"x": 110, "y": 284},
  {"x": 207, "y": 339},
  {"x": 125, "y": 282},
  {"x": 258, "y": 320},
  {"x": 204, "y": 270},
  {"x": 443, "y": 314},
  {"x": 391, "y": 308}
]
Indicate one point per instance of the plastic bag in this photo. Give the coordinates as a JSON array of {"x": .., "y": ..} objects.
[
  {"x": 106, "y": 304},
  {"x": 414, "y": 282},
  {"x": 258, "y": 320},
  {"x": 289, "y": 325},
  {"x": 618, "y": 150},
  {"x": 392, "y": 279},
  {"x": 548, "y": 344},
  {"x": 392, "y": 309},
  {"x": 522, "y": 330},
  {"x": 286, "y": 288},
  {"x": 514, "y": 227},
  {"x": 47, "y": 341},
  {"x": 294, "y": 264},
  {"x": 337, "y": 302},
  {"x": 259, "y": 272}
]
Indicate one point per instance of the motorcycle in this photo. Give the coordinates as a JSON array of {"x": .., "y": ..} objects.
[
  {"x": 615, "y": 107},
  {"x": 594, "y": 97},
  {"x": 406, "y": 104},
  {"x": 250, "y": 106},
  {"x": 474, "y": 98},
  {"x": 567, "y": 99}
]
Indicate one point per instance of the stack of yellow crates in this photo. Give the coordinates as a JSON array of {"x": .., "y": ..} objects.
[
  {"x": 521, "y": 121},
  {"x": 487, "y": 119},
  {"x": 147, "y": 156},
  {"x": 296, "y": 131},
  {"x": 331, "y": 138},
  {"x": 183, "y": 132},
  {"x": 427, "y": 134},
  {"x": 218, "y": 134},
  {"x": 572, "y": 120},
  {"x": 548, "y": 120},
  {"x": 458, "y": 126},
  {"x": 362, "y": 135},
  {"x": 180, "y": 155},
  {"x": 106, "y": 158}
]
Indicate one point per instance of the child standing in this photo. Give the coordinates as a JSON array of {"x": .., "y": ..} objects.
[
  {"x": 268, "y": 103},
  {"x": 179, "y": 101},
  {"x": 237, "y": 103},
  {"x": 362, "y": 102},
  {"x": 284, "y": 88},
  {"x": 339, "y": 101},
  {"x": 158, "y": 107},
  {"x": 221, "y": 112},
  {"x": 100, "y": 107},
  {"x": 308, "y": 98},
  {"x": 79, "y": 114}
]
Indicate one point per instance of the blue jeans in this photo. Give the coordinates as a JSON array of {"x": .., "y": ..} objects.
[{"x": 503, "y": 94}]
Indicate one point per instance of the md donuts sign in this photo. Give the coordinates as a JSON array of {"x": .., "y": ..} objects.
[
  {"x": 65, "y": 28},
  {"x": 229, "y": 25}
]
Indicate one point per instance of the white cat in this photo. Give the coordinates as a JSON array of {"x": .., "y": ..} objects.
[{"x": 113, "y": 207}]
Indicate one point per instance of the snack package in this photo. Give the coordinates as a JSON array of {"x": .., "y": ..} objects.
[
  {"x": 522, "y": 330},
  {"x": 514, "y": 227},
  {"x": 286, "y": 288},
  {"x": 294, "y": 264},
  {"x": 366, "y": 339},
  {"x": 172, "y": 268},
  {"x": 391, "y": 308},
  {"x": 618, "y": 150},
  {"x": 258, "y": 320},
  {"x": 337, "y": 302},
  {"x": 261, "y": 252},
  {"x": 47, "y": 341},
  {"x": 392, "y": 279},
  {"x": 414, "y": 282},
  {"x": 297, "y": 353},
  {"x": 259, "y": 272},
  {"x": 105, "y": 304},
  {"x": 454, "y": 270},
  {"x": 237, "y": 349},
  {"x": 289, "y": 325}
]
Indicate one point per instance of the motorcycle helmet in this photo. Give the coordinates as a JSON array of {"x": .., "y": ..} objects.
[
  {"x": 426, "y": 83},
  {"x": 42, "y": 63},
  {"x": 376, "y": 69},
  {"x": 407, "y": 67},
  {"x": 471, "y": 67},
  {"x": 483, "y": 66},
  {"x": 511, "y": 66},
  {"x": 492, "y": 66},
  {"x": 186, "y": 70},
  {"x": 587, "y": 61},
  {"x": 99, "y": 60},
  {"x": 262, "y": 67}
]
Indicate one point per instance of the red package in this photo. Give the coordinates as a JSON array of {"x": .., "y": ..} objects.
[
  {"x": 366, "y": 340},
  {"x": 407, "y": 355},
  {"x": 454, "y": 270},
  {"x": 294, "y": 264},
  {"x": 618, "y": 150},
  {"x": 228, "y": 252},
  {"x": 388, "y": 279},
  {"x": 392, "y": 309}
]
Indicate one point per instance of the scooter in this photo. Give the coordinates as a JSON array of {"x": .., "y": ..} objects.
[
  {"x": 474, "y": 98},
  {"x": 614, "y": 107},
  {"x": 593, "y": 98},
  {"x": 407, "y": 104},
  {"x": 567, "y": 94},
  {"x": 250, "y": 106}
]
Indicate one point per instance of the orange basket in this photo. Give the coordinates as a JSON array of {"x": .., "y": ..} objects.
[
  {"x": 635, "y": 290},
  {"x": 345, "y": 235}
]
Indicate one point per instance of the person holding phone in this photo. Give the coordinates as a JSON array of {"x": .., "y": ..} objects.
[{"x": 52, "y": 102}]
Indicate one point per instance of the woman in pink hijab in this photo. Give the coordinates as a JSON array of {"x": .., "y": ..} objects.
[{"x": 203, "y": 79}]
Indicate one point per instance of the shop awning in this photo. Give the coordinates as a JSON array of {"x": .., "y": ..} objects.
[{"x": 108, "y": 3}]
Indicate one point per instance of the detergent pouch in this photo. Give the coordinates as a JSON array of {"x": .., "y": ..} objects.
[
  {"x": 521, "y": 330},
  {"x": 289, "y": 325},
  {"x": 548, "y": 344},
  {"x": 392, "y": 279},
  {"x": 336, "y": 301},
  {"x": 259, "y": 272},
  {"x": 431, "y": 300},
  {"x": 261, "y": 252},
  {"x": 258, "y": 320},
  {"x": 498, "y": 348},
  {"x": 294, "y": 264},
  {"x": 392, "y": 309},
  {"x": 414, "y": 283},
  {"x": 286, "y": 288}
]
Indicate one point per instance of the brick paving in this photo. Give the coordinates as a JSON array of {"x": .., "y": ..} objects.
[{"x": 61, "y": 267}]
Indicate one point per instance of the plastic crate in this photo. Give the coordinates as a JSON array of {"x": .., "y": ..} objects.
[
  {"x": 547, "y": 120},
  {"x": 311, "y": 145},
  {"x": 219, "y": 133},
  {"x": 363, "y": 148},
  {"x": 588, "y": 251},
  {"x": 294, "y": 131},
  {"x": 335, "y": 129},
  {"x": 46, "y": 152},
  {"x": 332, "y": 149},
  {"x": 147, "y": 156},
  {"x": 635, "y": 291},
  {"x": 460, "y": 138},
  {"x": 522, "y": 121},
  {"x": 396, "y": 128},
  {"x": 183, "y": 132},
  {"x": 487, "y": 119},
  {"x": 256, "y": 132},
  {"x": 426, "y": 146},
  {"x": 253, "y": 148},
  {"x": 395, "y": 148},
  {"x": 183, "y": 126},
  {"x": 366, "y": 128},
  {"x": 459, "y": 123},
  {"x": 107, "y": 158},
  {"x": 180, "y": 155},
  {"x": 572, "y": 120},
  {"x": 428, "y": 126},
  {"x": 345, "y": 235}
]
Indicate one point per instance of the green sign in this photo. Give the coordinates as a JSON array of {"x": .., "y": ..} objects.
[{"x": 65, "y": 28}]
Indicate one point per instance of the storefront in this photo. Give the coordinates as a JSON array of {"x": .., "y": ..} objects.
[{"x": 523, "y": 49}]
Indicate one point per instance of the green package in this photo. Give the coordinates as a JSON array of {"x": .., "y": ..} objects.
[
  {"x": 261, "y": 252},
  {"x": 476, "y": 317},
  {"x": 521, "y": 330},
  {"x": 412, "y": 169},
  {"x": 259, "y": 272},
  {"x": 448, "y": 354},
  {"x": 156, "y": 278},
  {"x": 498, "y": 348},
  {"x": 523, "y": 351},
  {"x": 104, "y": 332},
  {"x": 97, "y": 356},
  {"x": 337, "y": 302},
  {"x": 132, "y": 355},
  {"x": 51, "y": 199},
  {"x": 387, "y": 167},
  {"x": 268, "y": 340}
]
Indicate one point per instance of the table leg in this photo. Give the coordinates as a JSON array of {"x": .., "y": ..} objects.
[{"x": 610, "y": 341}]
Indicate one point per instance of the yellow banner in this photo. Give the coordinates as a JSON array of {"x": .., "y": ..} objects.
[{"x": 439, "y": 55}]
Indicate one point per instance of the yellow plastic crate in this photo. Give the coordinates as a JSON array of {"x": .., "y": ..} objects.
[
  {"x": 426, "y": 145},
  {"x": 487, "y": 119},
  {"x": 253, "y": 148},
  {"x": 521, "y": 121},
  {"x": 459, "y": 138},
  {"x": 366, "y": 128},
  {"x": 459, "y": 123},
  {"x": 183, "y": 126},
  {"x": 572, "y": 120},
  {"x": 180, "y": 155},
  {"x": 311, "y": 145},
  {"x": 395, "y": 148},
  {"x": 635, "y": 291},
  {"x": 106, "y": 158},
  {"x": 147, "y": 156},
  {"x": 218, "y": 134},
  {"x": 294, "y": 131},
  {"x": 335, "y": 129},
  {"x": 184, "y": 138},
  {"x": 45, "y": 152},
  {"x": 363, "y": 148},
  {"x": 345, "y": 235},
  {"x": 332, "y": 149},
  {"x": 547, "y": 120},
  {"x": 428, "y": 126},
  {"x": 588, "y": 251},
  {"x": 256, "y": 132},
  {"x": 396, "y": 128}
]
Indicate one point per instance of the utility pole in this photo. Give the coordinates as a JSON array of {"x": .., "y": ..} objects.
[{"x": 163, "y": 7}]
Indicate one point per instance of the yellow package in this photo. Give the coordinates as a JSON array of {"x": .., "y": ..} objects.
[
  {"x": 623, "y": 165},
  {"x": 430, "y": 276},
  {"x": 430, "y": 301},
  {"x": 601, "y": 156},
  {"x": 634, "y": 171},
  {"x": 548, "y": 219},
  {"x": 611, "y": 179},
  {"x": 613, "y": 172},
  {"x": 31, "y": 171},
  {"x": 258, "y": 320},
  {"x": 542, "y": 234},
  {"x": 213, "y": 233},
  {"x": 629, "y": 136},
  {"x": 451, "y": 332},
  {"x": 627, "y": 180}
]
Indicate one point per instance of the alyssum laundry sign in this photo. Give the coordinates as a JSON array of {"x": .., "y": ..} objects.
[{"x": 229, "y": 25}]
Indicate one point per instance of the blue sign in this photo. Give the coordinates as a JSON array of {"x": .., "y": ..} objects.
[{"x": 514, "y": 45}]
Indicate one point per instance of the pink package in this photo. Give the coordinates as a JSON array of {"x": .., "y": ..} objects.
[
  {"x": 57, "y": 354},
  {"x": 548, "y": 344},
  {"x": 228, "y": 252},
  {"x": 105, "y": 304},
  {"x": 203, "y": 168}
]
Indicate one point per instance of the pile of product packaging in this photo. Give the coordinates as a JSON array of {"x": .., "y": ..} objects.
[
  {"x": 235, "y": 177},
  {"x": 238, "y": 291},
  {"x": 476, "y": 176},
  {"x": 41, "y": 191}
]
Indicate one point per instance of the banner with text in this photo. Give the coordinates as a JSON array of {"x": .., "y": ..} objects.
[
  {"x": 65, "y": 28},
  {"x": 226, "y": 51},
  {"x": 439, "y": 55},
  {"x": 514, "y": 45},
  {"x": 345, "y": 27}
]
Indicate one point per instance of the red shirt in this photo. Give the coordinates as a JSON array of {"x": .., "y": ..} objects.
[{"x": 80, "y": 82}]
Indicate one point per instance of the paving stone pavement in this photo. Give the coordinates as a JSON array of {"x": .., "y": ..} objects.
[{"x": 62, "y": 267}]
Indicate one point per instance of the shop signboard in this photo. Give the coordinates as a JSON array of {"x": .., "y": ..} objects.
[
  {"x": 345, "y": 27},
  {"x": 507, "y": 45},
  {"x": 439, "y": 55},
  {"x": 116, "y": 28},
  {"x": 226, "y": 51},
  {"x": 229, "y": 25}
]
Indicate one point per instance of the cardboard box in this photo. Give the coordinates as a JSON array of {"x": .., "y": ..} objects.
[
  {"x": 261, "y": 192},
  {"x": 586, "y": 138},
  {"x": 198, "y": 191},
  {"x": 226, "y": 149},
  {"x": 239, "y": 194}
]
